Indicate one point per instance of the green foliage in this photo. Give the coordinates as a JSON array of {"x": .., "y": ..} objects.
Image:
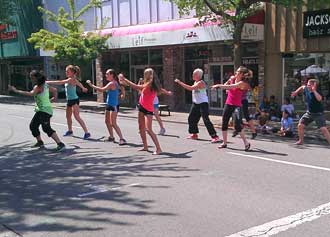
[
  {"x": 70, "y": 43},
  {"x": 231, "y": 13}
]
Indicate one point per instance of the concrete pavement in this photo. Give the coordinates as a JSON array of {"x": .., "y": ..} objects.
[{"x": 89, "y": 106}]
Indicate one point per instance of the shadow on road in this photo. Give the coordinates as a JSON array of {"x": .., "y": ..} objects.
[{"x": 47, "y": 185}]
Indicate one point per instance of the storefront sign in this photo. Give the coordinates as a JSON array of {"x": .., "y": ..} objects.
[
  {"x": 8, "y": 35},
  {"x": 316, "y": 23},
  {"x": 253, "y": 32},
  {"x": 182, "y": 36}
]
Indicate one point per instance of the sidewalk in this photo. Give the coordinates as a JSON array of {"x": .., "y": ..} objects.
[{"x": 311, "y": 133}]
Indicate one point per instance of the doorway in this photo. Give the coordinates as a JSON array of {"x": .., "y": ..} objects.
[
  {"x": 219, "y": 73},
  {"x": 136, "y": 73}
]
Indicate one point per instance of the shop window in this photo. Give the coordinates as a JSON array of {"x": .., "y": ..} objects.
[
  {"x": 196, "y": 53},
  {"x": 250, "y": 50},
  {"x": 299, "y": 68},
  {"x": 156, "y": 56},
  {"x": 139, "y": 57}
]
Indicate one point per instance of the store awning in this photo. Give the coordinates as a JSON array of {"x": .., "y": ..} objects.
[{"x": 183, "y": 31}]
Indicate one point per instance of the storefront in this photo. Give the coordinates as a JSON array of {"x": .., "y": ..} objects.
[
  {"x": 174, "y": 49},
  {"x": 298, "y": 49}
]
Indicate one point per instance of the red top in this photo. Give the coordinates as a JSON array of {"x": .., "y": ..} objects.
[{"x": 147, "y": 99}]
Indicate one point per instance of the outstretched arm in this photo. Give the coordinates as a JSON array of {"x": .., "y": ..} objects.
[
  {"x": 98, "y": 88},
  {"x": 166, "y": 92},
  {"x": 295, "y": 93},
  {"x": 124, "y": 80},
  {"x": 59, "y": 82},
  {"x": 198, "y": 85},
  {"x": 34, "y": 91}
]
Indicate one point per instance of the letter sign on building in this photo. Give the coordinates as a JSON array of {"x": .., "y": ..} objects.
[{"x": 316, "y": 23}]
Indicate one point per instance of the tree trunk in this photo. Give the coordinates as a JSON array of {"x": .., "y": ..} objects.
[{"x": 237, "y": 44}]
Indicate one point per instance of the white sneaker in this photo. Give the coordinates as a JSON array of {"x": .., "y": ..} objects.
[{"x": 162, "y": 131}]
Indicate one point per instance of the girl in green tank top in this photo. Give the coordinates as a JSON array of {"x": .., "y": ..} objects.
[{"x": 43, "y": 109}]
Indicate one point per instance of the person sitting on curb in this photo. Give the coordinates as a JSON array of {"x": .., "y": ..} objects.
[
  {"x": 315, "y": 110},
  {"x": 286, "y": 125}
]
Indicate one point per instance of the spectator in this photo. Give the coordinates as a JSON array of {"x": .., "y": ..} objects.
[
  {"x": 288, "y": 106},
  {"x": 286, "y": 125}
]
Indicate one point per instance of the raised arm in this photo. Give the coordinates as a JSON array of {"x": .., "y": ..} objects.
[
  {"x": 295, "y": 93},
  {"x": 124, "y": 80},
  {"x": 59, "y": 82}
]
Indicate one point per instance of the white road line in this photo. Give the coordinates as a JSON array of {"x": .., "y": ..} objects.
[
  {"x": 59, "y": 124},
  {"x": 283, "y": 224},
  {"x": 102, "y": 189},
  {"x": 281, "y": 161}
]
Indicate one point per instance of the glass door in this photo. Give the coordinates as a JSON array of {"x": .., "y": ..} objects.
[
  {"x": 136, "y": 73},
  {"x": 218, "y": 74}
]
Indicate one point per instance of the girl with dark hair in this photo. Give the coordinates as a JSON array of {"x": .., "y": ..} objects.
[
  {"x": 72, "y": 107},
  {"x": 112, "y": 107},
  {"x": 43, "y": 109},
  {"x": 148, "y": 90},
  {"x": 233, "y": 104}
]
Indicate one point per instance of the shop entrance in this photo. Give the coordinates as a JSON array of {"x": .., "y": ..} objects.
[
  {"x": 218, "y": 73},
  {"x": 137, "y": 73}
]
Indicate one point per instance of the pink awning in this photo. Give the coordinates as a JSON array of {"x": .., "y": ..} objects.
[{"x": 154, "y": 27}]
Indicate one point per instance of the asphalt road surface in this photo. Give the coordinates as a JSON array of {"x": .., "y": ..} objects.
[{"x": 95, "y": 188}]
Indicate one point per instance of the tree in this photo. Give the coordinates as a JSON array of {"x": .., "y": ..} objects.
[
  {"x": 71, "y": 43},
  {"x": 231, "y": 13}
]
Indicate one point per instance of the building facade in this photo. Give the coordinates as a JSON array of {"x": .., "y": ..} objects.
[
  {"x": 153, "y": 34},
  {"x": 18, "y": 57},
  {"x": 297, "y": 48}
]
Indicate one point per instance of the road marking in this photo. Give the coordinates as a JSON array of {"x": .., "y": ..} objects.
[
  {"x": 283, "y": 224},
  {"x": 282, "y": 161},
  {"x": 102, "y": 189},
  {"x": 59, "y": 124}
]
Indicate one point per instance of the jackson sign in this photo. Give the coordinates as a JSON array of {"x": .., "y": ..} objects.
[{"x": 316, "y": 23}]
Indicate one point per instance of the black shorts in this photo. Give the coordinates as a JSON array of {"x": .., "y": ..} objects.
[
  {"x": 71, "y": 103},
  {"x": 143, "y": 110},
  {"x": 112, "y": 108}
]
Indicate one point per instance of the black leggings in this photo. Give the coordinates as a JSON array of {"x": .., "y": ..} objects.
[
  {"x": 245, "y": 110},
  {"x": 43, "y": 119},
  {"x": 228, "y": 111},
  {"x": 196, "y": 112}
]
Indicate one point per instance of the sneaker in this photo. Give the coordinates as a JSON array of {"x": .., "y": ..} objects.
[
  {"x": 193, "y": 136},
  {"x": 254, "y": 135},
  {"x": 215, "y": 139},
  {"x": 39, "y": 144},
  {"x": 162, "y": 131},
  {"x": 68, "y": 133},
  {"x": 60, "y": 146},
  {"x": 87, "y": 135},
  {"x": 235, "y": 133}
]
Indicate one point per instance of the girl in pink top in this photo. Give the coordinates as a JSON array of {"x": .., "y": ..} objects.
[
  {"x": 148, "y": 90},
  {"x": 235, "y": 88}
]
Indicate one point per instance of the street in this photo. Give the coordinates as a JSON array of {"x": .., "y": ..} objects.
[{"x": 95, "y": 188}]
